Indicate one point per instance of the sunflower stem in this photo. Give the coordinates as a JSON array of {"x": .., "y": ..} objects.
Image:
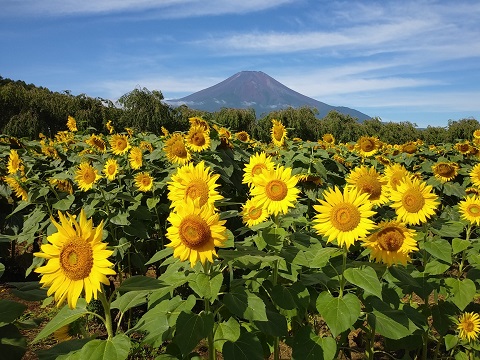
[
  {"x": 462, "y": 261},
  {"x": 212, "y": 354},
  {"x": 342, "y": 277},
  {"x": 276, "y": 340},
  {"x": 108, "y": 315}
]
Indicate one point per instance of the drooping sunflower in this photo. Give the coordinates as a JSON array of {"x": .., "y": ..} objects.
[
  {"x": 368, "y": 180},
  {"x": 414, "y": 201},
  {"x": 96, "y": 142},
  {"x": 63, "y": 185},
  {"x": 475, "y": 175},
  {"x": 279, "y": 133},
  {"x": 195, "y": 231},
  {"x": 77, "y": 260},
  {"x": 71, "y": 124},
  {"x": 197, "y": 139},
  {"x": 470, "y": 209},
  {"x": 14, "y": 162},
  {"x": 110, "y": 127},
  {"x": 275, "y": 190},
  {"x": 256, "y": 164},
  {"x": 198, "y": 121},
  {"x": 119, "y": 144},
  {"x": 143, "y": 181},
  {"x": 394, "y": 175},
  {"x": 445, "y": 171},
  {"x": 468, "y": 326},
  {"x": 135, "y": 158},
  {"x": 86, "y": 175},
  {"x": 16, "y": 187},
  {"x": 391, "y": 243},
  {"x": 344, "y": 217},
  {"x": 110, "y": 169},
  {"x": 193, "y": 181},
  {"x": 367, "y": 145},
  {"x": 176, "y": 150},
  {"x": 253, "y": 213},
  {"x": 409, "y": 148}
]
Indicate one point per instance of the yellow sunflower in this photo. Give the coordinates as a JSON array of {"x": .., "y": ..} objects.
[
  {"x": 409, "y": 148},
  {"x": 71, "y": 124},
  {"x": 197, "y": 139},
  {"x": 86, "y": 175},
  {"x": 279, "y": 133},
  {"x": 63, "y": 185},
  {"x": 445, "y": 171},
  {"x": 145, "y": 145},
  {"x": 243, "y": 136},
  {"x": 193, "y": 181},
  {"x": 14, "y": 162},
  {"x": 468, "y": 326},
  {"x": 256, "y": 164},
  {"x": 414, "y": 201},
  {"x": 176, "y": 150},
  {"x": 253, "y": 213},
  {"x": 110, "y": 127},
  {"x": 368, "y": 180},
  {"x": 143, "y": 181},
  {"x": 198, "y": 121},
  {"x": 470, "y": 209},
  {"x": 110, "y": 169},
  {"x": 77, "y": 260},
  {"x": 275, "y": 190},
  {"x": 475, "y": 175},
  {"x": 464, "y": 147},
  {"x": 367, "y": 146},
  {"x": 328, "y": 138},
  {"x": 344, "y": 217},
  {"x": 119, "y": 144},
  {"x": 135, "y": 158},
  {"x": 16, "y": 187},
  {"x": 476, "y": 134},
  {"x": 394, "y": 175},
  {"x": 96, "y": 142},
  {"x": 195, "y": 231},
  {"x": 391, "y": 243}
]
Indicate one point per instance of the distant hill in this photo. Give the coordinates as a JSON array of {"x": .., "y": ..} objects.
[{"x": 257, "y": 90}]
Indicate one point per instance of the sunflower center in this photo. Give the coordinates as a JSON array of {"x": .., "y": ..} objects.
[
  {"x": 198, "y": 139},
  {"x": 390, "y": 239},
  {"x": 445, "y": 170},
  {"x": 197, "y": 189},
  {"x": 111, "y": 169},
  {"x": 345, "y": 217},
  {"x": 194, "y": 232},
  {"x": 254, "y": 213},
  {"x": 178, "y": 149},
  {"x": 370, "y": 185},
  {"x": 277, "y": 133},
  {"x": 76, "y": 259},
  {"x": 469, "y": 326},
  {"x": 146, "y": 181},
  {"x": 367, "y": 145},
  {"x": 121, "y": 144},
  {"x": 413, "y": 200},
  {"x": 257, "y": 169},
  {"x": 88, "y": 176},
  {"x": 473, "y": 210},
  {"x": 276, "y": 190},
  {"x": 410, "y": 148}
]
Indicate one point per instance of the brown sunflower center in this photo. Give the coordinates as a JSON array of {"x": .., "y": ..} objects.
[
  {"x": 370, "y": 185},
  {"x": 473, "y": 210},
  {"x": 390, "y": 239},
  {"x": 413, "y": 200},
  {"x": 179, "y": 150},
  {"x": 276, "y": 190},
  {"x": 254, "y": 213},
  {"x": 194, "y": 232},
  {"x": 445, "y": 170},
  {"x": 76, "y": 259},
  {"x": 345, "y": 217},
  {"x": 463, "y": 148},
  {"x": 242, "y": 136},
  {"x": 367, "y": 145},
  {"x": 198, "y": 139},
  {"x": 146, "y": 180},
  {"x": 257, "y": 169},
  {"x": 121, "y": 144},
  {"x": 111, "y": 169},
  {"x": 410, "y": 148},
  {"x": 197, "y": 189},
  {"x": 469, "y": 326},
  {"x": 88, "y": 176},
  {"x": 278, "y": 132}
]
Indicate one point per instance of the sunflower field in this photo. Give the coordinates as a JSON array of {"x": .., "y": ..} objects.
[{"x": 210, "y": 244}]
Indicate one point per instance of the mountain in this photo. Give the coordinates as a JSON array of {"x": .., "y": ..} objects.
[{"x": 257, "y": 90}]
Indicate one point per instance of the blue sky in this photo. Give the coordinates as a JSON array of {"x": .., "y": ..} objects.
[{"x": 409, "y": 60}]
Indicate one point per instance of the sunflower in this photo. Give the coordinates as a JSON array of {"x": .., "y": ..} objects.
[
  {"x": 253, "y": 213},
  {"x": 476, "y": 134},
  {"x": 110, "y": 169},
  {"x": 243, "y": 136},
  {"x": 279, "y": 133},
  {"x": 464, "y": 147},
  {"x": 195, "y": 231},
  {"x": 96, "y": 142},
  {"x": 63, "y": 185},
  {"x": 470, "y": 209},
  {"x": 197, "y": 139},
  {"x": 129, "y": 131},
  {"x": 136, "y": 158},
  {"x": 367, "y": 146},
  {"x": 119, "y": 144},
  {"x": 16, "y": 187},
  {"x": 71, "y": 124},
  {"x": 256, "y": 164},
  {"x": 475, "y": 175},
  {"x": 198, "y": 121},
  {"x": 165, "y": 132},
  {"x": 110, "y": 127},
  {"x": 86, "y": 175},
  {"x": 468, "y": 326},
  {"x": 193, "y": 181},
  {"x": 176, "y": 150},
  {"x": 14, "y": 162},
  {"x": 344, "y": 217},
  {"x": 414, "y": 201},
  {"x": 275, "y": 190},
  {"x": 77, "y": 260},
  {"x": 391, "y": 243},
  {"x": 368, "y": 180},
  {"x": 394, "y": 175},
  {"x": 145, "y": 145},
  {"x": 409, "y": 148},
  {"x": 328, "y": 138},
  {"x": 445, "y": 171},
  {"x": 143, "y": 181}
]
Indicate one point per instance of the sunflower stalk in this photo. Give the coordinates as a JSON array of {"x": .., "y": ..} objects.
[
  {"x": 108, "y": 314},
  {"x": 212, "y": 355},
  {"x": 462, "y": 260}
]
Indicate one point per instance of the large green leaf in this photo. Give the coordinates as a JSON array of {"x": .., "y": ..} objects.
[
  {"x": 461, "y": 291},
  {"x": 116, "y": 348},
  {"x": 458, "y": 245},
  {"x": 10, "y": 310},
  {"x": 65, "y": 203},
  {"x": 440, "y": 248},
  {"x": 61, "y": 348},
  {"x": 160, "y": 255},
  {"x": 393, "y": 324},
  {"x": 140, "y": 282},
  {"x": 190, "y": 329},
  {"x": 130, "y": 299},
  {"x": 227, "y": 331},
  {"x": 338, "y": 312},
  {"x": 247, "y": 347},
  {"x": 12, "y": 344},
  {"x": 306, "y": 345},
  {"x": 245, "y": 304},
  {"x": 365, "y": 278},
  {"x": 205, "y": 286}
]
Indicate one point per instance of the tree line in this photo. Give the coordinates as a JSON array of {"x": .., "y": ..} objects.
[{"x": 27, "y": 110}]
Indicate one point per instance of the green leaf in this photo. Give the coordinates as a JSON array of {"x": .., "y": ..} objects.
[
  {"x": 308, "y": 346},
  {"x": 274, "y": 237},
  {"x": 393, "y": 324},
  {"x": 450, "y": 229},
  {"x": 205, "y": 286},
  {"x": 247, "y": 347},
  {"x": 64, "y": 317},
  {"x": 152, "y": 202},
  {"x": 140, "y": 282},
  {"x": 120, "y": 219},
  {"x": 450, "y": 341},
  {"x": 130, "y": 299},
  {"x": 227, "y": 331},
  {"x": 116, "y": 348},
  {"x": 338, "y": 312},
  {"x": 160, "y": 255},
  {"x": 10, "y": 310},
  {"x": 245, "y": 304},
  {"x": 62, "y": 348},
  {"x": 441, "y": 316},
  {"x": 458, "y": 245},
  {"x": 365, "y": 278},
  {"x": 12, "y": 344},
  {"x": 439, "y": 248},
  {"x": 435, "y": 267},
  {"x": 276, "y": 325},
  {"x": 64, "y": 204},
  {"x": 461, "y": 291},
  {"x": 190, "y": 329}
]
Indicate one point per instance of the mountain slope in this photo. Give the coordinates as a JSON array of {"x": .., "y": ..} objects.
[{"x": 257, "y": 90}]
